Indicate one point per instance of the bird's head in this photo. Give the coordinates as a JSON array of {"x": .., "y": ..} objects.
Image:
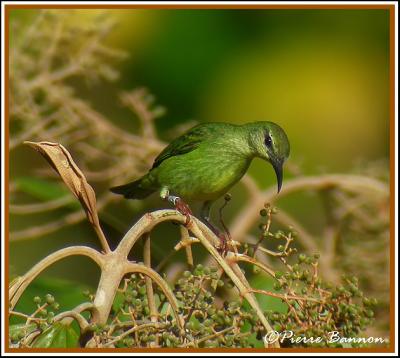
[{"x": 269, "y": 141}]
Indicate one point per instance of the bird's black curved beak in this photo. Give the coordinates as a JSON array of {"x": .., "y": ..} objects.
[{"x": 278, "y": 167}]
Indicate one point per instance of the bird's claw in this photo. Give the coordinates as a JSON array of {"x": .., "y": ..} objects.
[
  {"x": 223, "y": 247},
  {"x": 183, "y": 208},
  {"x": 223, "y": 237}
]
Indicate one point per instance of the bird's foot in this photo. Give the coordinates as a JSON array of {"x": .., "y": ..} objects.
[
  {"x": 224, "y": 237},
  {"x": 223, "y": 248},
  {"x": 182, "y": 207}
]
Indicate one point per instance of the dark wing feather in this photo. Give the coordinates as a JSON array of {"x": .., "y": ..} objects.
[{"x": 188, "y": 141}]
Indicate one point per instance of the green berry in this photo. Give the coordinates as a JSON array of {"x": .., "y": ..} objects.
[{"x": 263, "y": 212}]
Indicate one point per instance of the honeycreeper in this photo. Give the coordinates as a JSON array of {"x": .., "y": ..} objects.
[{"x": 206, "y": 161}]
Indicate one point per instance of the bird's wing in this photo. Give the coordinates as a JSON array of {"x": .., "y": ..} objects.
[{"x": 189, "y": 141}]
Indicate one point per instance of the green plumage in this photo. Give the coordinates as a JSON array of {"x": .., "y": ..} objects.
[{"x": 206, "y": 161}]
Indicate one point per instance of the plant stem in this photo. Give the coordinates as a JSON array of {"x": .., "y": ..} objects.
[
  {"x": 112, "y": 273},
  {"x": 185, "y": 238},
  {"x": 149, "y": 283},
  {"x": 353, "y": 183},
  {"x": 19, "y": 287}
]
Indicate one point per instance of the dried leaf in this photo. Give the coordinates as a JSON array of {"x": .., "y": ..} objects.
[{"x": 60, "y": 159}]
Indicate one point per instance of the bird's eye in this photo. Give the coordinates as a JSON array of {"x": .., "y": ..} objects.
[{"x": 268, "y": 140}]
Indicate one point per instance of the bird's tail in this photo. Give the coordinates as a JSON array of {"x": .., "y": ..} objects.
[{"x": 134, "y": 190}]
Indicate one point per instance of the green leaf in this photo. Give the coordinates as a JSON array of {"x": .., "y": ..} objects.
[
  {"x": 58, "y": 335},
  {"x": 264, "y": 282},
  {"x": 41, "y": 189},
  {"x": 45, "y": 339},
  {"x": 118, "y": 301},
  {"x": 72, "y": 338},
  {"x": 15, "y": 329}
]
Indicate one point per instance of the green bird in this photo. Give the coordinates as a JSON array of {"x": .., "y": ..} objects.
[{"x": 206, "y": 161}]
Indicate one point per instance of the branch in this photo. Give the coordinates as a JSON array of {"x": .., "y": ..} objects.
[
  {"x": 132, "y": 267},
  {"x": 251, "y": 260},
  {"x": 149, "y": 283},
  {"x": 186, "y": 242},
  {"x": 133, "y": 330},
  {"x": 285, "y": 297},
  {"x": 19, "y": 287},
  {"x": 353, "y": 183},
  {"x": 205, "y": 236}
]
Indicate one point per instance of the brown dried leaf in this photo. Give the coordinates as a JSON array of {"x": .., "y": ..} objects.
[
  {"x": 60, "y": 159},
  {"x": 62, "y": 162}
]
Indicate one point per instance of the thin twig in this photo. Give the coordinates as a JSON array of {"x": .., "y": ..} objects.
[
  {"x": 19, "y": 287},
  {"x": 186, "y": 243},
  {"x": 149, "y": 283},
  {"x": 285, "y": 297},
  {"x": 210, "y": 336},
  {"x": 353, "y": 183},
  {"x": 135, "y": 329}
]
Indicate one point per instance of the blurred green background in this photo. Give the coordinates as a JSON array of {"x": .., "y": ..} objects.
[{"x": 323, "y": 75}]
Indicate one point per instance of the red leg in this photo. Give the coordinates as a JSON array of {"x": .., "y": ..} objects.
[
  {"x": 183, "y": 208},
  {"x": 223, "y": 249}
]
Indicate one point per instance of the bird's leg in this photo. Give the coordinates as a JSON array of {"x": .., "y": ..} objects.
[
  {"x": 205, "y": 215},
  {"x": 178, "y": 203},
  {"x": 227, "y": 198}
]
